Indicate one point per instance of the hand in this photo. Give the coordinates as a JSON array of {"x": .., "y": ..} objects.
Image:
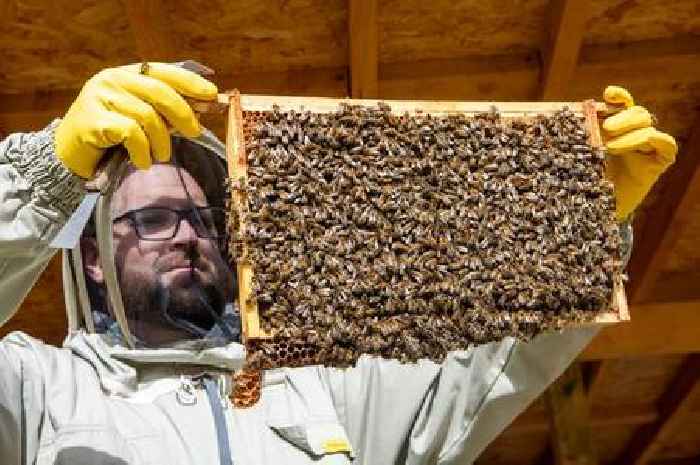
[
  {"x": 637, "y": 153},
  {"x": 130, "y": 105}
]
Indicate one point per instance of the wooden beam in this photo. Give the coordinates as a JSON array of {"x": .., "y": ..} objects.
[
  {"x": 661, "y": 328},
  {"x": 676, "y": 285},
  {"x": 149, "y": 25},
  {"x": 671, "y": 213},
  {"x": 600, "y": 378},
  {"x": 674, "y": 407},
  {"x": 568, "y": 24},
  {"x": 679, "y": 461},
  {"x": 600, "y": 417},
  {"x": 568, "y": 407},
  {"x": 364, "y": 48}
]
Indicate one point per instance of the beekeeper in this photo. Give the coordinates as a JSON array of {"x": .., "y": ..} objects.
[{"x": 144, "y": 375}]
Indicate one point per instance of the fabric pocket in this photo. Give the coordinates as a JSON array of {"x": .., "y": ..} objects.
[{"x": 301, "y": 411}]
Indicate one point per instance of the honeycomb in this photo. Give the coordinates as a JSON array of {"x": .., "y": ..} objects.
[
  {"x": 408, "y": 236},
  {"x": 247, "y": 386}
]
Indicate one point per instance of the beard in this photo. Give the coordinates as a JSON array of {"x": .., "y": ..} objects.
[{"x": 175, "y": 314}]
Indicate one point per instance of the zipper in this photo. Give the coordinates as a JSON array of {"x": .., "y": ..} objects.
[{"x": 216, "y": 402}]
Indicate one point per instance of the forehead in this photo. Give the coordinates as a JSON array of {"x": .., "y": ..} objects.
[{"x": 161, "y": 185}]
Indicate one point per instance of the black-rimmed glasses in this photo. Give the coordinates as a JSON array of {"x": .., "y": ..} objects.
[{"x": 163, "y": 223}]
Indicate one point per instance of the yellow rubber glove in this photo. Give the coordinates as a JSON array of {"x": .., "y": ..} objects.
[
  {"x": 637, "y": 153},
  {"x": 130, "y": 106}
]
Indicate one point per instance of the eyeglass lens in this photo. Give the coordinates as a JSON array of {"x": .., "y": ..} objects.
[{"x": 164, "y": 223}]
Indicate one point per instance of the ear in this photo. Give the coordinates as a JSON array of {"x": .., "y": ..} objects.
[{"x": 91, "y": 261}]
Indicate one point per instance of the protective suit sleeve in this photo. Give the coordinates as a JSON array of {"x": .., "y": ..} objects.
[
  {"x": 426, "y": 413},
  {"x": 480, "y": 392},
  {"x": 37, "y": 195}
]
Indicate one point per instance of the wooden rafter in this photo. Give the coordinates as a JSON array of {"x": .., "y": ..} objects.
[
  {"x": 661, "y": 328},
  {"x": 150, "y": 29},
  {"x": 568, "y": 24},
  {"x": 600, "y": 417},
  {"x": 673, "y": 407},
  {"x": 670, "y": 215},
  {"x": 364, "y": 48},
  {"x": 600, "y": 378},
  {"x": 568, "y": 405}
]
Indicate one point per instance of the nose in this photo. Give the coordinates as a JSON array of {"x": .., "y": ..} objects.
[{"x": 185, "y": 233}]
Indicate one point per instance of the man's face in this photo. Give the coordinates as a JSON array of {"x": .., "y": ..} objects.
[{"x": 175, "y": 288}]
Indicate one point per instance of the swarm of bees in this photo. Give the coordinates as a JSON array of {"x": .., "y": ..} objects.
[{"x": 411, "y": 236}]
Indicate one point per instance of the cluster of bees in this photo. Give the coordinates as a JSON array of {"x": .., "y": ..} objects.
[{"x": 408, "y": 236}]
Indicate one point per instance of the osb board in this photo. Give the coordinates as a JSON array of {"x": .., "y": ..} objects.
[
  {"x": 639, "y": 380},
  {"x": 446, "y": 29},
  {"x": 42, "y": 314},
  {"x": 254, "y": 35},
  {"x": 60, "y": 44},
  {"x": 237, "y": 159},
  {"x": 628, "y": 20},
  {"x": 501, "y": 78}
]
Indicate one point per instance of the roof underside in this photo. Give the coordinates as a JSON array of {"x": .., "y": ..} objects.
[{"x": 641, "y": 382}]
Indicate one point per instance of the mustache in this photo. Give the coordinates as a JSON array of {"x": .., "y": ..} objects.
[{"x": 173, "y": 260}]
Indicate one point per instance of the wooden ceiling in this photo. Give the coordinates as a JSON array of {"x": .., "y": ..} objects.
[{"x": 636, "y": 390}]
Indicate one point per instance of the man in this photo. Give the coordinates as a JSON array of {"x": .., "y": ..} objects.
[
  {"x": 169, "y": 253},
  {"x": 144, "y": 375}
]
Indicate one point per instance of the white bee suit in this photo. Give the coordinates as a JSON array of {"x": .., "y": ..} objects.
[{"x": 91, "y": 402}]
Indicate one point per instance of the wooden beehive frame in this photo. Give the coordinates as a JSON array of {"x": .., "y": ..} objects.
[{"x": 237, "y": 164}]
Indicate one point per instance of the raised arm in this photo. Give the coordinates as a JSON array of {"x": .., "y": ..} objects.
[
  {"x": 42, "y": 173},
  {"x": 37, "y": 194}
]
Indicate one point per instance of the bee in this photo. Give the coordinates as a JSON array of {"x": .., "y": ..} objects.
[{"x": 357, "y": 217}]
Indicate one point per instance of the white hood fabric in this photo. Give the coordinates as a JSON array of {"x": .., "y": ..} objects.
[{"x": 91, "y": 402}]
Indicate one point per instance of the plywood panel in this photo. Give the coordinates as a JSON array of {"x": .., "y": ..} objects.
[
  {"x": 252, "y": 35},
  {"x": 627, "y": 20},
  {"x": 445, "y": 28},
  {"x": 52, "y": 45}
]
